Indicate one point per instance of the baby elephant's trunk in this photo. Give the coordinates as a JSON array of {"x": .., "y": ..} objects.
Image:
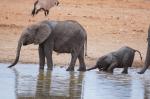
[{"x": 92, "y": 68}]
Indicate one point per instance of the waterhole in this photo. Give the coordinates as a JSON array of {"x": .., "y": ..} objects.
[{"x": 25, "y": 81}]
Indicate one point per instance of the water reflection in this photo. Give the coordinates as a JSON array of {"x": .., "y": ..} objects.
[
  {"x": 146, "y": 88},
  {"x": 26, "y": 82},
  {"x": 49, "y": 85}
]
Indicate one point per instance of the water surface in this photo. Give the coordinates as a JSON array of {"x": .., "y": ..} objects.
[{"x": 25, "y": 81}]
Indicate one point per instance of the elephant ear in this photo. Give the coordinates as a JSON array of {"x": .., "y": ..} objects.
[{"x": 42, "y": 33}]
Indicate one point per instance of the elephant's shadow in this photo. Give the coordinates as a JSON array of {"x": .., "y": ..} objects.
[{"x": 49, "y": 85}]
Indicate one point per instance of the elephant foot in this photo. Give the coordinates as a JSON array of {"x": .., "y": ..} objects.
[
  {"x": 82, "y": 69},
  {"x": 124, "y": 72},
  {"x": 70, "y": 69},
  {"x": 140, "y": 72}
]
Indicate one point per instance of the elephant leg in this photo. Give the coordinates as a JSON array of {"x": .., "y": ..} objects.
[
  {"x": 48, "y": 54},
  {"x": 111, "y": 67},
  {"x": 73, "y": 61},
  {"x": 104, "y": 68},
  {"x": 41, "y": 57},
  {"x": 127, "y": 62},
  {"x": 81, "y": 60},
  {"x": 125, "y": 70}
]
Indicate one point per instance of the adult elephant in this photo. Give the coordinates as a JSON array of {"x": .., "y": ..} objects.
[
  {"x": 61, "y": 36},
  {"x": 147, "y": 60}
]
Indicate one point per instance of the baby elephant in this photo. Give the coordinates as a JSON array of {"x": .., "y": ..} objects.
[{"x": 122, "y": 58}]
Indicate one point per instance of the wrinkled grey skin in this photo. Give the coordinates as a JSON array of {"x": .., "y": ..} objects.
[
  {"x": 61, "y": 36},
  {"x": 147, "y": 60},
  {"x": 122, "y": 58}
]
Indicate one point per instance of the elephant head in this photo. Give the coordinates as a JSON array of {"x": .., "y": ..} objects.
[
  {"x": 34, "y": 34},
  {"x": 147, "y": 60},
  {"x": 100, "y": 64}
]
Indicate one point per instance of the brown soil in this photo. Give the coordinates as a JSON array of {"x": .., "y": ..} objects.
[{"x": 110, "y": 24}]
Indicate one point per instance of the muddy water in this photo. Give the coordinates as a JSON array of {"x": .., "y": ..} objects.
[{"x": 25, "y": 81}]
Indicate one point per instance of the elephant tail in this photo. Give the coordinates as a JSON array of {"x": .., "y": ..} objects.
[
  {"x": 139, "y": 54},
  {"x": 92, "y": 68}
]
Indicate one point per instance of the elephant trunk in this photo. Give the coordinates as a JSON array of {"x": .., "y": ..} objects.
[
  {"x": 85, "y": 46},
  {"x": 17, "y": 54},
  {"x": 147, "y": 61},
  {"x": 92, "y": 68}
]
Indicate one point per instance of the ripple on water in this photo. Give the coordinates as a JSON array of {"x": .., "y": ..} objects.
[{"x": 26, "y": 81}]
